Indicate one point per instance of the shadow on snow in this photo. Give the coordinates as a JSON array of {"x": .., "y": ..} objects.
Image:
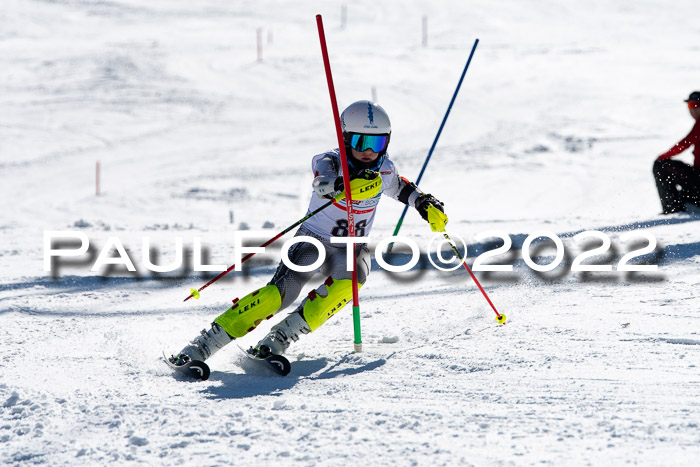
[{"x": 260, "y": 381}]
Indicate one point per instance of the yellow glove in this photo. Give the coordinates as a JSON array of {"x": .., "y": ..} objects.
[
  {"x": 436, "y": 218},
  {"x": 432, "y": 210}
]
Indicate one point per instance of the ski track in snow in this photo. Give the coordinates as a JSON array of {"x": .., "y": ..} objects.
[{"x": 557, "y": 123}]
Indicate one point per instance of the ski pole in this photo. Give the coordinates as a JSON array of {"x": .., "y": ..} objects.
[
  {"x": 432, "y": 148},
  {"x": 195, "y": 292},
  {"x": 500, "y": 318},
  {"x": 346, "y": 181}
]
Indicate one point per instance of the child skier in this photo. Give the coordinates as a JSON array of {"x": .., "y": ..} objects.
[
  {"x": 679, "y": 183},
  {"x": 367, "y": 131}
]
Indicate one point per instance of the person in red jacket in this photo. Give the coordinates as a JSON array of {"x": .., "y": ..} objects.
[{"x": 679, "y": 183}]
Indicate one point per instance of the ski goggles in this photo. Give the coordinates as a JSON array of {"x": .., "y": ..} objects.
[
  {"x": 693, "y": 104},
  {"x": 376, "y": 143}
]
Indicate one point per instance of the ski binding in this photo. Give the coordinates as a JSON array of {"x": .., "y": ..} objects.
[
  {"x": 195, "y": 369},
  {"x": 277, "y": 363}
]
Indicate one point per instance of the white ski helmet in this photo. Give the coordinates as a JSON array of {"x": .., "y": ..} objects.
[{"x": 365, "y": 118}]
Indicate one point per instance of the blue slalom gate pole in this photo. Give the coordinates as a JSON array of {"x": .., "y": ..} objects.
[{"x": 432, "y": 148}]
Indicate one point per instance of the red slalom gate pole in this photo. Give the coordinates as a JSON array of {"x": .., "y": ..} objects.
[
  {"x": 346, "y": 181},
  {"x": 97, "y": 178}
]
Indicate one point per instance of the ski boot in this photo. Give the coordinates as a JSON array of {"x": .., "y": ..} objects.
[
  {"x": 272, "y": 346},
  {"x": 281, "y": 335},
  {"x": 203, "y": 346}
]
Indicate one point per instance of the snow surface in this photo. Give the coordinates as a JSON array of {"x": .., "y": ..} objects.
[{"x": 561, "y": 114}]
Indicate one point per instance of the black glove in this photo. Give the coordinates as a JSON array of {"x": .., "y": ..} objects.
[
  {"x": 338, "y": 186},
  {"x": 365, "y": 174},
  {"x": 425, "y": 200}
]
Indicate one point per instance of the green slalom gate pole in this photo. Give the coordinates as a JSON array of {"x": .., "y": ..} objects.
[
  {"x": 346, "y": 181},
  {"x": 432, "y": 148}
]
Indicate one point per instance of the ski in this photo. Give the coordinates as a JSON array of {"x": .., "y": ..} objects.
[
  {"x": 277, "y": 363},
  {"x": 195, "y": 369}
]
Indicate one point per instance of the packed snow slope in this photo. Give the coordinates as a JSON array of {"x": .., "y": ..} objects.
[{"x": 562, "y": 111}]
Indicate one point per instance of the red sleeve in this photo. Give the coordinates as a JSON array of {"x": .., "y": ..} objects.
[{"x": 683, "y": 144}]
